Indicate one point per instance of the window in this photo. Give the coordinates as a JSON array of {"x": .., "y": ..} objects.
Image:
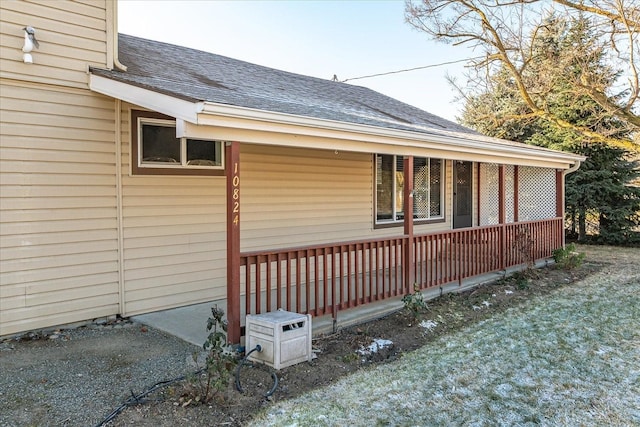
[
  {"x": 157, "y": 151},
  {"x": 428, "y": 186}
]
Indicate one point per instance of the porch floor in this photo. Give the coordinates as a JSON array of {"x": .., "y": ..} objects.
[{"x": 189, "y": 323}]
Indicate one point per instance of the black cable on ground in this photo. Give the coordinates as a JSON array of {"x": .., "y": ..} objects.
[
  {"x": 257, "y": 348},
  {"x": 137, "y": 399}
]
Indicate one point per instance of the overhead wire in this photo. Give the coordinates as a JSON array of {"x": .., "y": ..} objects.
[{"x": 409, "y": 69}]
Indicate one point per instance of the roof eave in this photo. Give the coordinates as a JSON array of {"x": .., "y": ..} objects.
[
  {"x": 152, "y": 100},
  {"x": 201, "y": 118},
  {"x": 221, "y": 115}
]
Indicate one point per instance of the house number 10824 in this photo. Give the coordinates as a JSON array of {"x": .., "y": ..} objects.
[{"x": 235, "y": 182}]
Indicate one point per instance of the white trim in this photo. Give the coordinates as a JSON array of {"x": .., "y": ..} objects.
[
  {"x": 155, "y": 101},
  {"x": 211, "y": 110},
  {"x": 258, "y": 133},
  {"x": 208, "y": 120}
]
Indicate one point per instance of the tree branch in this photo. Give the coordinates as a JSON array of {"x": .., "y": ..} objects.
[{"x": 633, "y": 22}]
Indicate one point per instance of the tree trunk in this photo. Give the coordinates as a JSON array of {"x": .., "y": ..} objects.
[{"x": 582, "y": 225}]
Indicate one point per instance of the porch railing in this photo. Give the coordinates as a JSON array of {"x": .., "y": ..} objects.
[{"x": 325, "y": 278}]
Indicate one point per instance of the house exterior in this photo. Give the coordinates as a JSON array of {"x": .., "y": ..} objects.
[{"x": 137, "y": 176}]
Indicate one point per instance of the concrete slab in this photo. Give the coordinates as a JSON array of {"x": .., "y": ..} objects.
[{"x": 188, "y": 323}]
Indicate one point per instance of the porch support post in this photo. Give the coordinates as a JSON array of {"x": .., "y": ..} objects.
[
  {"x": 516, "y": 192},
  {"x": 232, "y": 171},
  {"x": 479, "y": 186},
  {"x": 501, "y": 215},
  {"x": 501, "y": 195},
  {"x": 560, "y": 202},
  {"x": 408, "y": 222}
]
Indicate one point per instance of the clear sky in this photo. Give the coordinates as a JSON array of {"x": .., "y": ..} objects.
[{"x": 316, "y": 38}]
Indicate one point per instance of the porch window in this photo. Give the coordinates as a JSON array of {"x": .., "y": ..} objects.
[
  {"x": 428, "y": 186},
  {"x": 157, "y": 151}
]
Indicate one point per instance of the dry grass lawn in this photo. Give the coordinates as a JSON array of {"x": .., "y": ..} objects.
[{"x": 571, "y": 357}]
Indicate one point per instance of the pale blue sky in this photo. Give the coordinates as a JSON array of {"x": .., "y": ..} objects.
[{"x": 315, "y": 38}]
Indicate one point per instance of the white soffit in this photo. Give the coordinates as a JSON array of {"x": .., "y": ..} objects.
[{"x": 149, "y": 99}]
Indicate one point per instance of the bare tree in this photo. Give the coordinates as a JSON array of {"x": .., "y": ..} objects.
[{"x": 504, "y": 31}]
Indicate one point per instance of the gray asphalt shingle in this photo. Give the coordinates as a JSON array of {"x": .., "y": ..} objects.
[{"x": 195, "y": 75}]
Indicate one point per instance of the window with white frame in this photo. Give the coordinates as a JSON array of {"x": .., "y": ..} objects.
[
  {"x": 156, "y": 150},
  {"x": 428, "y": 189}
]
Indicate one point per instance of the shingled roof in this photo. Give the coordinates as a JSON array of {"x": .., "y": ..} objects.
[{"x": 194, "y": 75}]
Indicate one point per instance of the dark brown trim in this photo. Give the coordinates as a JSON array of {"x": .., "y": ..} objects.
[
  {"x": 232, "y": 153},
  {"x": 516, "y": 193},
  {"x": 136, "y": 170},
  {"x": 416, "y": 222},
  {"x": 478, "y": 184},
  {"x": 408, "y": 222},
  {"x": 559, "y": 194},
  {"x": 501, "y": 195}
]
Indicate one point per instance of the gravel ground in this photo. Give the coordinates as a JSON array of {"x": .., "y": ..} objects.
[{"x": 77, "y": 377}]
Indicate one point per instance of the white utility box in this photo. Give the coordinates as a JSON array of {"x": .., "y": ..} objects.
[{"x": 285, "y": 338}]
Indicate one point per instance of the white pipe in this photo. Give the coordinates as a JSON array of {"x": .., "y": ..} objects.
[
  {"x": 573, "y": 168},
  {"x": 114, "y": 34}
]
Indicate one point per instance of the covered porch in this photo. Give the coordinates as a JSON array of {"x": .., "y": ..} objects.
[
  {"x": 325, "y": 279},
  {"x": 330, "y": 277}
]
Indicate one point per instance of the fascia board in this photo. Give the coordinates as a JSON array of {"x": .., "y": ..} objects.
[
  {"x": 262, "y": 134},
  {"x": 265, "y": 127},
  {"x": 149, "y": 99},
  {"x": 218, "y": 115}
]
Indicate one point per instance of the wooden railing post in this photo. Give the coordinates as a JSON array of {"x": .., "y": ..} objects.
[
  {"x": 232, "y": 159},
  {"x": 408, "y": 223}
]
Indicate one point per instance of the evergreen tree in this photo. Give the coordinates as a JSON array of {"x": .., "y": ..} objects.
[{"x": 599, "y": 189}]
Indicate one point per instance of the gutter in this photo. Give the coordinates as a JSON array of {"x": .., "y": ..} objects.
[
  {"x": 210, "y": 114},
  {"x": 208, "y": 120},
  {"x": 573, "y": 168}
]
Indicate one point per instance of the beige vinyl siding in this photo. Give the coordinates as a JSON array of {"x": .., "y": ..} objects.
[
  {"x": 174, "y": 230},
  {"x": 59, "y": 246},
  {"x": 295, "y": 197},
  {"x": 72, "y": 36}
]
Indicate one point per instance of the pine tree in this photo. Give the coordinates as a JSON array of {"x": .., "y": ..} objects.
[{"x": 599, "y": 190}]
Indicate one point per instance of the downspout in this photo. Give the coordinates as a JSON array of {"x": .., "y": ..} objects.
[
  {"x": 566, "y": 172},
  {"x": 112, "y": 36},
  {"x": 573, "y": 168}
]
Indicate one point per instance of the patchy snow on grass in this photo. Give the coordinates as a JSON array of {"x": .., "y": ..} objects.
[
  {"x": 375, "y": 346},
  {"x": 428, "y": 324},
  {"x": 568, "y": 358}
]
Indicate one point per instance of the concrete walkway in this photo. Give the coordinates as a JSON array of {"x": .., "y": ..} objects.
[{"x": 189, "y": 322}]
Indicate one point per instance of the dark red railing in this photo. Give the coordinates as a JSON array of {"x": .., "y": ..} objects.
[
  {"x": 326, "y": 278},
  {"x": 321, "y": 279}
]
